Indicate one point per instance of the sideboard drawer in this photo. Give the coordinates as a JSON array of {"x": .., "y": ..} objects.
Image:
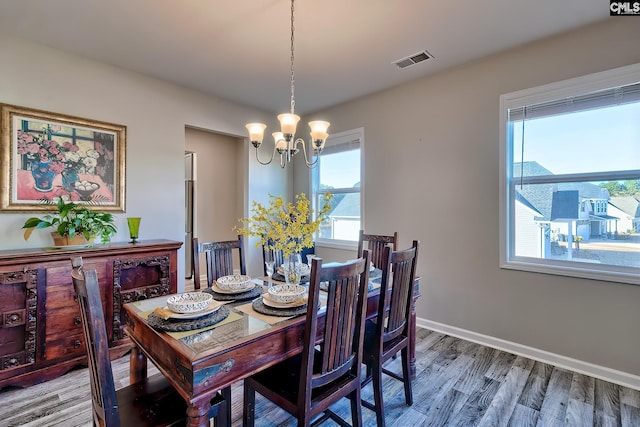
[
  {"x": 70, "y": 345},
  {"x": 63, "y": 322}
]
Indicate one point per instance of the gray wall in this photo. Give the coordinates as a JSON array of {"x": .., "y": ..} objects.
[
  {"x": 431, "y": 169},
  {"x": 155, "y": 113}
]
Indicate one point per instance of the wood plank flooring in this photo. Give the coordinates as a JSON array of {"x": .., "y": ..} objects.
[{"x": 458, "y": 383}]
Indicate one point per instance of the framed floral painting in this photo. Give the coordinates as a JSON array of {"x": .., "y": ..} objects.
[{"x": 45, "y": 156}]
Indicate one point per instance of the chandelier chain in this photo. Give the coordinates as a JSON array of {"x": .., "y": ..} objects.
[{"x": 293, "y": 78}]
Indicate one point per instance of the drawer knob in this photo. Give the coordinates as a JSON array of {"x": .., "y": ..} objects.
[
  {"x": 77, "y": 344},
  {"x": 77, "y": 321}
]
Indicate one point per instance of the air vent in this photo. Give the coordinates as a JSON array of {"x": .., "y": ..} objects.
[{"x": 412, "y": 59}]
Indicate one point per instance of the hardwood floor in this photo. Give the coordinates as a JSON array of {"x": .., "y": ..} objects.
[{"x": 458, "y": 383}]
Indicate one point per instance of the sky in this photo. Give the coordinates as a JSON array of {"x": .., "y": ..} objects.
[
  {"x": 600, "y": 140},
  {"x": 340, "y": 170}
]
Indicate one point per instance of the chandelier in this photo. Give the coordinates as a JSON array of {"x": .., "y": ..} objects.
[{"x": 285, "y": 142}]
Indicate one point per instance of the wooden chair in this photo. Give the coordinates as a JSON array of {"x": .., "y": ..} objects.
[
  {"x": 152, "y": 402},
  {"x": 389, "y": 332},
  {"x": 219, "y": 259},
  {"x": 376, "y": 245},
  {"x": 306, "y": 384}
]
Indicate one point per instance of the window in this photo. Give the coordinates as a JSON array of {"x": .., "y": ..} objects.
[
  {"x": 570, "y": 174},
  {"x": 339, "y": 173}
]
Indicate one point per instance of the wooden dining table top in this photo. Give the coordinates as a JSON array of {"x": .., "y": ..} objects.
[{"x": 201, "y": 362}]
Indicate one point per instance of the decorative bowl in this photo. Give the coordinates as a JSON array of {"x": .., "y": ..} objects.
[
  {"x": 189, "y": 302},
  {"x": 235, "y": 282},
  {"x": 86, "y": 188},
  {"x": 286, "y": 293}
]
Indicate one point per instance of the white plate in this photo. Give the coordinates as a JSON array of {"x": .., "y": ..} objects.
[
  {"x": 270, "y": 303},
  {"x": 233, "y": 282},
  {"x": 213, "y": 307},
  {"x": 217, "y": 289}
]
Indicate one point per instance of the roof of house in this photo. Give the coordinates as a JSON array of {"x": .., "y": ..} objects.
[
  {"x": 627, "y": 204},
  {"x": 540, "y": 196},
  {"x": 349, "y": 206}
]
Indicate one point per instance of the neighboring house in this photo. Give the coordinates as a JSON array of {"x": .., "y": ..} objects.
[
  {"x": 627, "y": 208},
  {"x": 345, "y": 219},
  {"x": 531, "y": 240},
  {"x": 558, "y": 211}
]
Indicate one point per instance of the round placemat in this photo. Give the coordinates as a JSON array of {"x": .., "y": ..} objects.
[
  {"x": 219, "y": 296},
  {"x": 259, "y": 306},
  {"x": 280, "y": 278},
  {"x": 179, "y": 325}
]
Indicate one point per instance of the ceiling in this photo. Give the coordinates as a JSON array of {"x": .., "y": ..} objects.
[{"x": 239, "y": 49}]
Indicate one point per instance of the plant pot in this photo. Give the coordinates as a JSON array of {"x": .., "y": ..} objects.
[{"x": 76, "y": 240}]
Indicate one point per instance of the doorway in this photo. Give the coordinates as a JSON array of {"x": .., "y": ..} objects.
[
  {"x": 190, "y": 159},
  {"x": 213, "y": 162}
]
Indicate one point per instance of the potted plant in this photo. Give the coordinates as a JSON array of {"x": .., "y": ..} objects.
[{"x": 74, "y": 224}]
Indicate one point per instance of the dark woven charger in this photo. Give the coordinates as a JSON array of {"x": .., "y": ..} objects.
[
  {"x": 259, "y": 306},
  {"x": 219, "y": 296},
  {"x": 280, "y": 278},
  {"x": 180, "y": 325}
]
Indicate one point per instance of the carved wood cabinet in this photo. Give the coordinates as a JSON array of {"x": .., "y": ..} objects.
[{"x": 40, "y": 333}]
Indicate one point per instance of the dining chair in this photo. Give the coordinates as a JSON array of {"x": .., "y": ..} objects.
[
  {"x": 151, "y": 402},
  {"x": 376, "y": 244},
  {"x": 389, "y": 332},
  {"x": 218, "y": 258},
  {"x": 278, "y": 257},
  {"x": 305, "y": 385}
]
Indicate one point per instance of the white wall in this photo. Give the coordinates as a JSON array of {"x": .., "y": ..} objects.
[
  {"x": 437, "y": 139},
  {"x": 155, "y": 114}
]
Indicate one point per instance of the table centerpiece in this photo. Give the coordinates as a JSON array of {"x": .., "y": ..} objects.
[{"x": 286, "y": 226}]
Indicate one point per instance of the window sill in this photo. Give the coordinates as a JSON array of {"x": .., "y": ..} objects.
[{"x": 337, "y": 244}]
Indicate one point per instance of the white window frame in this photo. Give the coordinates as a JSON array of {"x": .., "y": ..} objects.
[
  {"x": 339, "y": 139},
  {"x": 554, "y": 91}
]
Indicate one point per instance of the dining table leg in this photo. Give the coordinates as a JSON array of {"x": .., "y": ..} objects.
[
  {"x": 198, "y": 413},
  {"x": 137, "y": 365}
]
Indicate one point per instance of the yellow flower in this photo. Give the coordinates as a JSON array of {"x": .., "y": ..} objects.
[{"x": 286, "y": 227}]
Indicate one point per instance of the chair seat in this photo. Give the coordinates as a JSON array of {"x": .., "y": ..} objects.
[
  {"x": 387, "y": 347},
  {"x": 283, "y": 379},
  {"x": 154, "y": 402}
]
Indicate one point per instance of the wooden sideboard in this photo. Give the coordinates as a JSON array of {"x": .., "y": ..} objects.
[{"x": 40, "y": 333}]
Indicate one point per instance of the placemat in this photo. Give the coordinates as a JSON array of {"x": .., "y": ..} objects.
[
  {"x": 178, "y": 325},
  {"x": 259, "y": 306},
  {"x": 256, "y": 291}
]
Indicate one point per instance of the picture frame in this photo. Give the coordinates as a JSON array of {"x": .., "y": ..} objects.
[{"x": 45, "y": 156}]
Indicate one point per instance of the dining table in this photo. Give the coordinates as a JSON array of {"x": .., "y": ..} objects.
[{"x": 202, "y": 361}]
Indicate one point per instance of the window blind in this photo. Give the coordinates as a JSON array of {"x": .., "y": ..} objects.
[{"x": 599, "y": 99}]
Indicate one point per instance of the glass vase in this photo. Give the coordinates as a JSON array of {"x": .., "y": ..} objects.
[{"x": 292, "y": 269}]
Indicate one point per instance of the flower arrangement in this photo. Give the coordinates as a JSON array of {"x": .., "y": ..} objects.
[
  {"x": 41, "y": 148},
  {"x": 286, "y": 227}
]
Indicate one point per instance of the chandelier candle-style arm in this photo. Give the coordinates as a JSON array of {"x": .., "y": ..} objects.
[{"x": 285, "y": 141}]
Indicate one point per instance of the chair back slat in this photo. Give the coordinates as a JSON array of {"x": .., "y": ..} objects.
[
  {"x": 103, "y": 391},
  {"x": 219, "y": 258},
  {"x": 398, "y": 275},
  {"x": 375, "y": 245},
  {"x": 342, "y": 337}
]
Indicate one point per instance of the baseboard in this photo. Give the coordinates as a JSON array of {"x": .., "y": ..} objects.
[{"x": 596, "y": 371}]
